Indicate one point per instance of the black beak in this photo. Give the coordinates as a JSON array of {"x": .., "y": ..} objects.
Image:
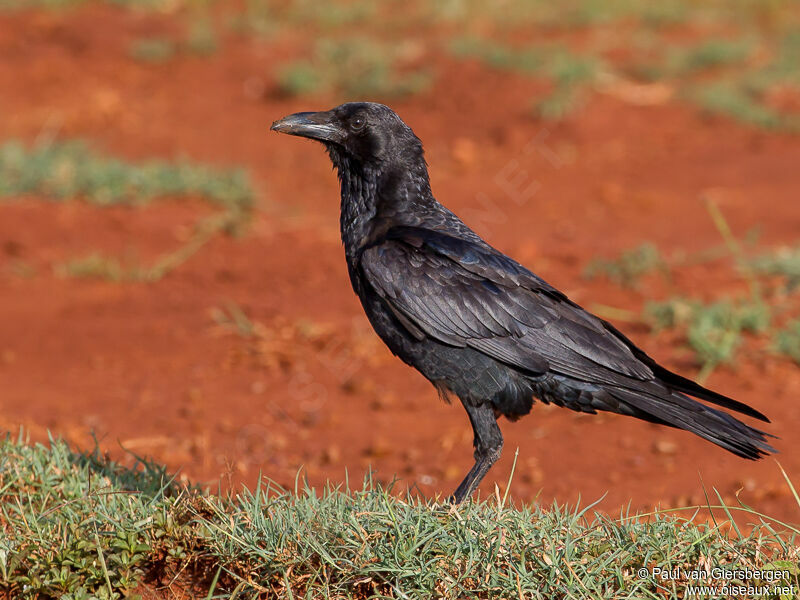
[{"x": 314, "y": 125}]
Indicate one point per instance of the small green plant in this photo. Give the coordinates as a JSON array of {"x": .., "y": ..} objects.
[
  {"x": 629, "y": 267},
  {"x": 201, "y": 38},
  {"x": 714, "y": 331},
  {"x": 95, "y": 266},
  {"x": 743, "y": 94},
  {"x": 157, "y": 5},
  {"x": 263, "y": 18},
  {"x": 355, "y": 68},
  {"x": 783, "y": 262},
  {"x": 500, "y": 56},
  {"x": 570, "y": 73},
  {"x": 708, "y": 54},
  {"x": 300, "y": 78},
  {"x": 78, "y": 524},
  {"x": 20, "y": 268},
  {"x": 330, "y": 14},
  {"x": 153, "y": 50},
  {"x": 731, "y": 99},
  {"x": 100, "y": 266},
  {"x": 256, "y": 18},
  {"x": 787, "y": 341},
  {"x": 573, "y": 14},
  {"x": 232, "y": 318}
]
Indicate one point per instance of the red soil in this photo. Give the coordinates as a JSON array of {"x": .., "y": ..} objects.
[{"x": 146, "y": 367}]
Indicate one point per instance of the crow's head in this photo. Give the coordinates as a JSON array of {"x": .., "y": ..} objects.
[{"x": 366, "y": 133}]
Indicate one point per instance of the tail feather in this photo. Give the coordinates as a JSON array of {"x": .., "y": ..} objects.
[
  {"x": 684, "y": 385},
  {"x": 678, "y": 410},
  {"x": 687, "y": 386}
]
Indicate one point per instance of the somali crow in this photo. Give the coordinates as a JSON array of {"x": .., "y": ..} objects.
[{"x": 473, "y": 321}]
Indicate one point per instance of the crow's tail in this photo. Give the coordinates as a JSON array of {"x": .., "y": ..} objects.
[{"x": 675, "y": 409}]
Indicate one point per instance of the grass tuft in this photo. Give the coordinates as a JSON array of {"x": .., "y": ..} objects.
[
  {"x": 78, "y": 525},
  {"x": 631, "y": 265},
  {"x": 201, "y": 37},
  {"x": 153, "y": 50},
  {"x": 151, "y": 5},
  {"x": 714, "y": 331},
  {"x": 730, "y": 99},
  {"x": 68, "y": 170},
  {"x": 570, "y": 73},
  {"x": 787, "y": 341},
  {"x": 708, "y": 54},
  {"x": 356, "y": 67},
  {"x": 783, "y": 262},
  {"x": 96, "y": 266},
  {"x": 71, "y": 169}
]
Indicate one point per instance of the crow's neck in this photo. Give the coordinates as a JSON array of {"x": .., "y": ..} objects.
[{"x": 375, "y": 198}]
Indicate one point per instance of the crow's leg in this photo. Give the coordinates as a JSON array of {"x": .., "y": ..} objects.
[{"x": 488, "y": 445}]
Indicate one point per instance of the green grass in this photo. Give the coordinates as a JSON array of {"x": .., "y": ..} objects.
[
  {"x": 100, "y": 266},
  {"x": 568, "y": 14},
  {"x": 736, "y": 89},
  {"x": 730, "y": 99},
  {"x": 653, "y": 59},
  {"x": 72, "y": 170},
  {"x": 200, "y": 39},
  {"x": 787, "y": 341},
  {"x": 571, "y": 73},
  {"x": 572, "y": 14},
  {"x": 731, "y": 76},
  {"x": 263, "y": 18},
  {"x": 782, "y": 262},
  {"x": 327, "y": 14},
  {"x": 97, "y": 266},
  {"x": 532, "y": 59},
  {"x": 157, "y": 5},
  {"x": 709, "y": 54},
  {"x": 77, "y": 525},
  {"x": 255, "y": 18},
  {"x": 153, "y": 50},
  {"x": 356, "y": 67},
  {"x": 65, "y": 170},
  {"x": 231, "y": 317},
  {"x": 715, "y": 74},
  {"x": 738, "y": 59},
  {"x": 714, "y": 331},
  {"x": 631, "y": 265}
]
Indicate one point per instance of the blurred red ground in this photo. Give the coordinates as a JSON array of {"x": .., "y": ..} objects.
[{"x": 146, "y": 367}]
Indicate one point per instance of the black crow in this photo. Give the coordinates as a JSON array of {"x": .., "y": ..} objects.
[{"x": 475, "y": 322}]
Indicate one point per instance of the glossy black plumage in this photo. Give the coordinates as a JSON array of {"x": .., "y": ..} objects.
[{"x": 475, "y": 322}]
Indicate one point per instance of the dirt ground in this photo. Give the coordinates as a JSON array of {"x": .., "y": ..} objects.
[{"x": 148, "y": 368}]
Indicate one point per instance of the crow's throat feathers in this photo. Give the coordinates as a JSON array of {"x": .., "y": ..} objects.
[{"x": 377, "y": 192}]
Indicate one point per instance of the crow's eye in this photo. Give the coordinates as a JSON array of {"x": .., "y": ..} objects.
[{"x": 357, "y": 124}]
